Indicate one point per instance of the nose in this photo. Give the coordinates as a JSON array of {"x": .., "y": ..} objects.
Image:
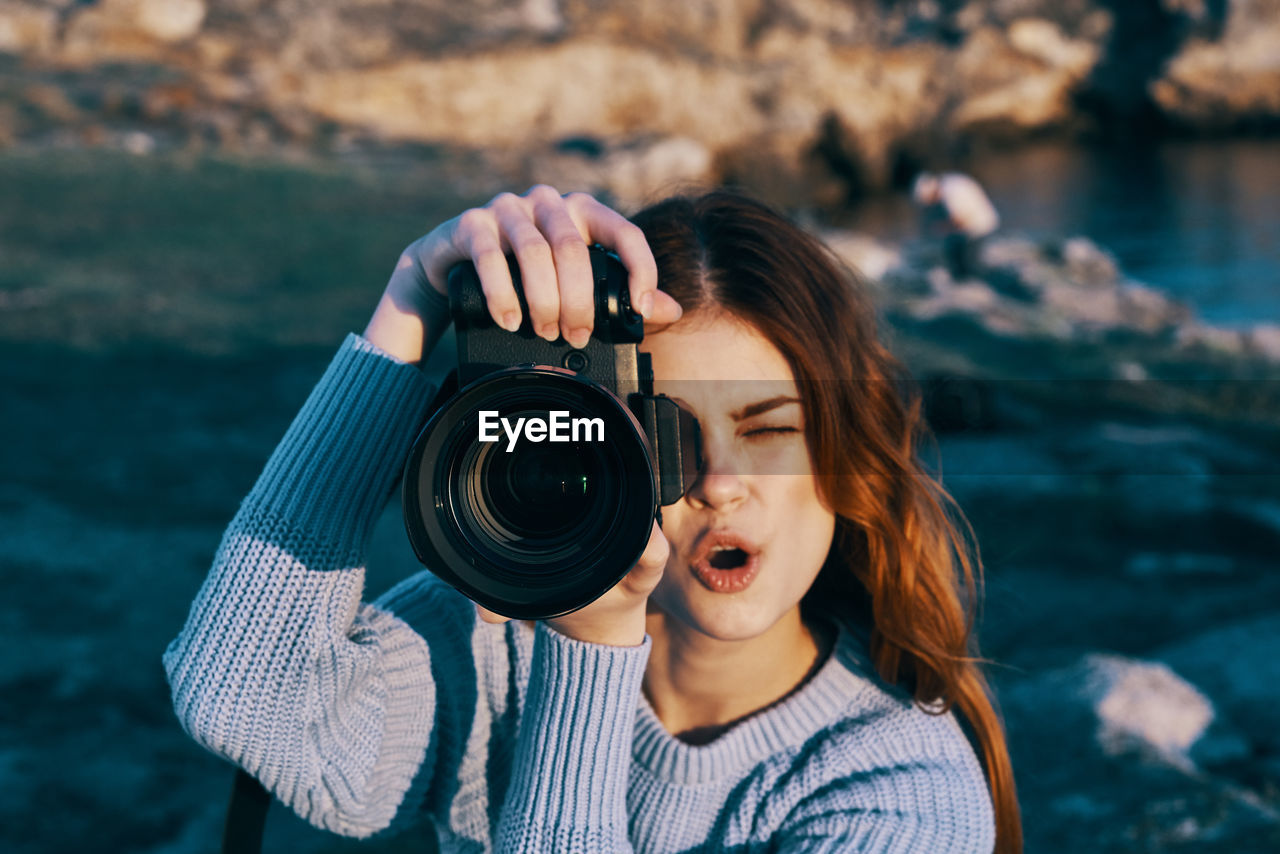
[{"x": 720, "y": 485}]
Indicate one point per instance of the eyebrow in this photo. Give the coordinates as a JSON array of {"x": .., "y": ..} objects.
[{"x": 762, "y": 407}]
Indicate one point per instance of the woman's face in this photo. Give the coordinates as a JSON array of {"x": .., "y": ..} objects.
[{"x": 749, "y": 538}]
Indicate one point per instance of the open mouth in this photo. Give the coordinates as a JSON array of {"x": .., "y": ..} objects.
[
  {"x": 725, "y": 561},
  {"x": 727, "y": 557}
]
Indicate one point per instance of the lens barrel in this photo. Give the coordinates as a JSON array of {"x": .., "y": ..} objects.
[{"x": 537, "y": 522}]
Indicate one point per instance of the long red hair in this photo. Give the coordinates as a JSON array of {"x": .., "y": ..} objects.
[{"x": 900, "y": 556}]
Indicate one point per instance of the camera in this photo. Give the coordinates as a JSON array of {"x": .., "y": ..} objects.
[{"x": 533, "y": 487}]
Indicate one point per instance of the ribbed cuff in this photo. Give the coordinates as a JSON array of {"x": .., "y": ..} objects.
[
  {"x": 332, "y": 472},
  {"x": 574, "y": 750}
]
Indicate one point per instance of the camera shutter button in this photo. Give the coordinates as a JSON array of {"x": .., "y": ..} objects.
[{"x": 575, "y": 360}]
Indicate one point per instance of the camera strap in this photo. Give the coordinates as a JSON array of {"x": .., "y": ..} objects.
[{"x": 246, "y": 815}]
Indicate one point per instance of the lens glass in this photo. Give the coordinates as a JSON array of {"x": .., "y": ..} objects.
[
  {"x": 538, "y": 506},
  {"x": 541, "y": 491}
]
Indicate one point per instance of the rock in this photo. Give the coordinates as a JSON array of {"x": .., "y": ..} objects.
[
  {"x": 970, "y": 297},
  {"x": 1228, "y": 82},
  {"x": 138, "y": 143},
  {"x": 1149, "y": 310},
  {"x": 1128, "y": 705},
  {"x": 1130, "y": 755},
  {"x": 51, "y": 102},
  {"x": 164, "y": 20},
  {"x": 630, "y": 175},
  {"x": 1263, "y": 339},
  {"x": 1087, "y": 264},
  {"x": 1144, "y": 706},
  {"x": 542, "y": 16},
  {"x": 519, "y": 97},
  {"x": 853, "y": 106},
  {"x": 868, "y": 256},
  {"x": 702, "y": 27},
  {"x": 782, "y": 171},
  {"x": 9, "y": 125},
  {"x": 1088, "y": 309},
  {"x": 1014, "y": 253},
  {"x": 833, "y": 98},
  {"x": 27, "y": 29},
  {"x": 130, "y": 30},
  {"x": 1045, "y": 41},
  {"x": 1130, "y": 371},
  {"x": 641, "y": 174},
  {"x": 1019, "y": 78},
  {"x": 1238, "y": 666},
  {"x": 1197, "y": 337}
]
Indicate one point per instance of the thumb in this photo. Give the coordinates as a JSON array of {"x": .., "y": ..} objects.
[{"x": 647, "y": 572}]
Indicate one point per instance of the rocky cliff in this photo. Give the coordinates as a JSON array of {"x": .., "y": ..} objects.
[{"x": 810, "y": 98}]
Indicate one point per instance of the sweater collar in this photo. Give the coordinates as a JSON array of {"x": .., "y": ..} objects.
[{"x": 824, "y": 698}]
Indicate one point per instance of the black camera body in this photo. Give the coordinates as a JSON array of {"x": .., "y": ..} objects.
[
  {"x": 533, "y": 488},
  {"x": 610, "y": 358}
]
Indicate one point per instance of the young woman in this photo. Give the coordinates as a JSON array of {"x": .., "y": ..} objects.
[{"x": 781, "y": 669}]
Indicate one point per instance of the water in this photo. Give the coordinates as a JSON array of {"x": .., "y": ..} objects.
[{"x": 1199, "y": 220}]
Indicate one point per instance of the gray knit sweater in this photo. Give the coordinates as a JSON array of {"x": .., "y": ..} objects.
[{"x": 508, "y": 737}]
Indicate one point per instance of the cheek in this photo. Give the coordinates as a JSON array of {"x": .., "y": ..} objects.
[
  {"x": 805, "y": 521},
  {"x": 677, "y": 528},
  {"x": 786, "y": 456}
]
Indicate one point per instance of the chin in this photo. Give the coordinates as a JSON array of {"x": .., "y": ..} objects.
[{"x": 735, "y": 617}]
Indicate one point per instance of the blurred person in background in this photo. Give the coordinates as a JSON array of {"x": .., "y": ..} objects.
[{"x": 955, "y": 208}]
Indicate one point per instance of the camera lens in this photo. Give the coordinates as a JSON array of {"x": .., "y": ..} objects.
[
  {"x": 531, "y": 524},
  {"x": 537, "y": 505},
  {"x": 539, "y": 492}
]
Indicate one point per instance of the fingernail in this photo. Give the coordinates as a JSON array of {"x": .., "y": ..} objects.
[
  {"x": 579, "y": 337},
  {"x": 549, "y": 331},
  {"x": 645, "y": 304},
  {"x": 511, "y": 321}
]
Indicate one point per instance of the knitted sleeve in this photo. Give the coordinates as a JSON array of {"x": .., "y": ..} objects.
[
  {"x": 572, "y": 758},
  {"x": 892, "y": 781},
  {"x": 280, "y": 668}
]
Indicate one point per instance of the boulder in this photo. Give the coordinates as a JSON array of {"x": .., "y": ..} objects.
[
  {"x": 1120, "y": 705},
  {"x": 1263, "y": 339},
  {"x": 828, "y": 97},
  {"x": 1088, "y": 264},
  {"x": 524, "y": 96},
  {"x": 1144, "y": 706},
  {"x": 1227, "y": 82},
  {"x": 1238, "y": 666},
  {"x": 131, "y": 30},
  {"x": 1197, "y": 337},
  {"x": 629, "y": 175},
  {"x": 27, "y": 29},
  {"x": 1019, "y": 77},
  {"x": 866, "y": 255}
]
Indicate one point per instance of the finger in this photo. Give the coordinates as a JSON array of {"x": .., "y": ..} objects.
[
  {"x": 665, "y": 309},
  {"x": 476, "y": 237},
  {"x": 607, "y": 226},
  {"x": 572, "y": 262},
  {"x": 490, "y": 617},
  {"x": 537, "y": 268}
]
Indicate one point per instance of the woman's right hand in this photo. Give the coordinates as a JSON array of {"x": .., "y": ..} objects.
[{"x": 548, "y": 234}]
